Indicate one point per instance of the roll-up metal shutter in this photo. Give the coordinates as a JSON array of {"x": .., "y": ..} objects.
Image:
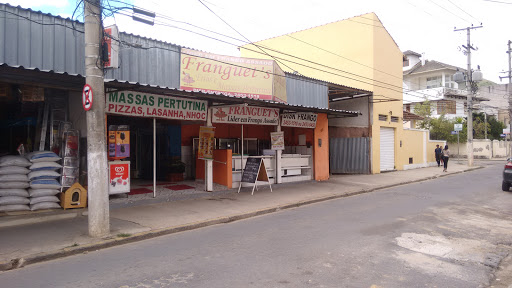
[{"x": 387, "y": 149}]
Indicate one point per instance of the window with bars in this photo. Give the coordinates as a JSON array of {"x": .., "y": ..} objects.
[
  {"x": 446, "y": 107},
  {"x": 395, "y": 119},
  {"x": 383, "y": 117}
]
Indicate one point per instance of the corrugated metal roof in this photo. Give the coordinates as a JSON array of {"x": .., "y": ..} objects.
[
  {"x": 35, "y": 40},
  {"x": 219, "y": 97}
]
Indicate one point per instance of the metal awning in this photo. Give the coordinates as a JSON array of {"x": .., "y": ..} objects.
[{"x": 224, "y": 99}]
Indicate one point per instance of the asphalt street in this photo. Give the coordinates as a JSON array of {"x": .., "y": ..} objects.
[{"x": 449, "y": 232}]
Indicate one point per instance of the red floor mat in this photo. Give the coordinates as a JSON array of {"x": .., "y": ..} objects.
[
  {"x": 140, "y": 191},
  {"x": 157, "y": 184},
  {"x": 179, "y": 187}
]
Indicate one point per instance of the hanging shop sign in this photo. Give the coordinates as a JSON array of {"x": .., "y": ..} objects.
[
  {"x": 233, "y": 76},
  {"x": 277, "y": 140},
  {"x": 139, "y": 104},
  {"x": 299, "y": 119},
  {"x": 206, "y": 142},
  {"x": 87, "y": 97},
  {"x": 242, "y": 114},
  {"x": 112, "y": 46}
]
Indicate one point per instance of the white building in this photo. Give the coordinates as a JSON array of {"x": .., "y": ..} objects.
[{"x": 433, "y": 80}]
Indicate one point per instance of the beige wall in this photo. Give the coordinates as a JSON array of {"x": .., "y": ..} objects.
[{"x": 370, "y": 60}]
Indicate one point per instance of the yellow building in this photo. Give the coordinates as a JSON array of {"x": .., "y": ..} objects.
[{"x": 356, "y": 52}]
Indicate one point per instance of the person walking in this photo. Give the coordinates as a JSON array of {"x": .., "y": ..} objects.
[
  {"x": 446, "y": 157},
  {"x": 437, "y": 152}
]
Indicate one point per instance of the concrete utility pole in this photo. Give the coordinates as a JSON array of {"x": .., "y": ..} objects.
[
  {"x": 469, "y": 82},
  {"x": 509, "y": 91},
  {"x": 99, "y": 221}
]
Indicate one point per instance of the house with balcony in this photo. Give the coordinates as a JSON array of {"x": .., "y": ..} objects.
[{"x": 433, "y": 81}]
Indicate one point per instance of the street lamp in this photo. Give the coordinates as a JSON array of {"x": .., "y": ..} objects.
[{"x": 471, "y": 78}]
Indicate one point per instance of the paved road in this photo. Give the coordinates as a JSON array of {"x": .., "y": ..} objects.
[{"x": 449, "y": 232}]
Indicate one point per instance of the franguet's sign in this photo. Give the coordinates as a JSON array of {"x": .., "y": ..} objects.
[
  {"x": 242, "y": 114},
  {"x": 233, "y": 76}
]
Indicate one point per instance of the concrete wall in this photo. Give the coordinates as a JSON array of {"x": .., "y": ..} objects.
[
  {"x": 482, "y": 148},
  {"x": 499, "y": 149},
  {"x": 416, "y": 145},
  {"x": 413, "y": 148}
]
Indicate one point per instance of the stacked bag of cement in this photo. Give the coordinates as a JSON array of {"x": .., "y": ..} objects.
[
  {"x": 14, "y": 183},
  {"x": 43, "y": 176}
]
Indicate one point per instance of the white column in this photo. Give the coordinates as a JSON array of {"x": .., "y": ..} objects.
[
  {"x": 278, "y": 172},
  {"x": 154, "y": 157},
  {"x": 209, "y": 163}
]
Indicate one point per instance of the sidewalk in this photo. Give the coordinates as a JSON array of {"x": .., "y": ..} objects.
[{"x": 27, "y": 239}]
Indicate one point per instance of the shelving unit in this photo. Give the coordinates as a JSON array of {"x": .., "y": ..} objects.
[{"x": 70, "y": 158}]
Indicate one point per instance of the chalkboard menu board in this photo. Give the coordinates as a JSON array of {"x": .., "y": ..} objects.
[{"x": 252, "y": 167}]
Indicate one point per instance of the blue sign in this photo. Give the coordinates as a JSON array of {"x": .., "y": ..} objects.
[
  {"x": 503, "y": 135},
  {"x": 455, "y": 132}
]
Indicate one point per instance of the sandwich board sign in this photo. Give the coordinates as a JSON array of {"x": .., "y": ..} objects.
[{"x": 254, "y": 171}]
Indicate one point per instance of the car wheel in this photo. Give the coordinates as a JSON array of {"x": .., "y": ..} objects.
[{"x": 505, "y": 186}]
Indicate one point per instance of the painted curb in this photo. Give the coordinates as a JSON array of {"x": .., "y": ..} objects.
[{"x": 116, "y": 241}]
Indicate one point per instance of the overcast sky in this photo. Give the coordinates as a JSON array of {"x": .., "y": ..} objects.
[{"x": 423, "y": 26}]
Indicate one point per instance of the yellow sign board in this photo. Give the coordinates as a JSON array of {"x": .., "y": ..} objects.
[
  {"x": 233, "y": 76},
  {"x": 206, "y": 141}
]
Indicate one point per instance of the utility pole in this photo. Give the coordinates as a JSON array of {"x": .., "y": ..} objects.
[
  {"x": 97, "y": 180},
  {"x": 509, "y": 91},
  {"x": 469, "y": 81}
]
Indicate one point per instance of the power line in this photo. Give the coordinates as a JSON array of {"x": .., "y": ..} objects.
[
  {"x": 241, "y": 33},
  {"x": 495, "y": 1},
  {"x": 449, "y": 11},
  {"x": 464, "y": 11}
]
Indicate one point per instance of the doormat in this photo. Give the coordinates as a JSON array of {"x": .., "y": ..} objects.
[
  {"x": 140, "y": 191},
  {"x": 179, "y": 187},
  {"x": 158, "y": 184}
]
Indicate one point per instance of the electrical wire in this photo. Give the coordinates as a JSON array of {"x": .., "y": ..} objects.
[
  {"x": 241, "y": 34},
  {"x": 449, "y": 11},
  {"x": 478, "y": 21}
]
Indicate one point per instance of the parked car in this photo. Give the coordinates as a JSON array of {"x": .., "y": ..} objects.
[{"x": 507, "y": 176}]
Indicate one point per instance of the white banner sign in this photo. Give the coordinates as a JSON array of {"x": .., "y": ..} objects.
[
  {"x": 299, "y": 119},
  {"x": 242, "y": 114},
  {"x": 277, "y": 140},
  {"x": 139, "y": 104}
]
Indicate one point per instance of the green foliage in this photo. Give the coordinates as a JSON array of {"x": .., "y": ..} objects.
[
  {"x": 441, "y": 129},
  {"x": 424, "y": 110},
  {"x": 494, "y": 127}
]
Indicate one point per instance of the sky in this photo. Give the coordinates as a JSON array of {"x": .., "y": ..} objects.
[{"x": 423, "y": 26}]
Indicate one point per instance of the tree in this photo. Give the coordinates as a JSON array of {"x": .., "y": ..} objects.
[{"x": 424, "y": 109}]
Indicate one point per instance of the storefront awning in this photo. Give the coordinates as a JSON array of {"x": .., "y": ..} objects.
[{"x": 222, "y": 99}]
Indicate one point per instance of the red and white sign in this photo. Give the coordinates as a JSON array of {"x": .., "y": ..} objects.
[
  {"x": 87, "y": 97},
  {"x": 242, "y": 114},
  {"x": 299, "y": 119},
  {"x": 112, "y": 46},
  {"x": 119, "y": 177}
]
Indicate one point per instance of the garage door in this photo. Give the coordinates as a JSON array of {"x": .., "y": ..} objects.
[{"x": 387, "y": 149}]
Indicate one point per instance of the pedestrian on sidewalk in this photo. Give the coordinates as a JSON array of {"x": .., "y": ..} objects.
[
  {"x": 446, "y": 157},
  {"x": 437, "y": 152}
]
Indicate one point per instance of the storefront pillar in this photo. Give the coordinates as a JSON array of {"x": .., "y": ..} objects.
[
  {"x": 209, "y": 163},
  {"x": 278, "y": 172}
]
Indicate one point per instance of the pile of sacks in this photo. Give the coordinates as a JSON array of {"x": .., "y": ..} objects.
[{"x": 37, "y": 171}]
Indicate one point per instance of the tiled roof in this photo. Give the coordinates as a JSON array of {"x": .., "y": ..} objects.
[
  {"x": 431, "y": 65},
  {"x": 409, "y": 52}
]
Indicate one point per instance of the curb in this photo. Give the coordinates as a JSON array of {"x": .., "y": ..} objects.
[{"x": 115, "y": 241}]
